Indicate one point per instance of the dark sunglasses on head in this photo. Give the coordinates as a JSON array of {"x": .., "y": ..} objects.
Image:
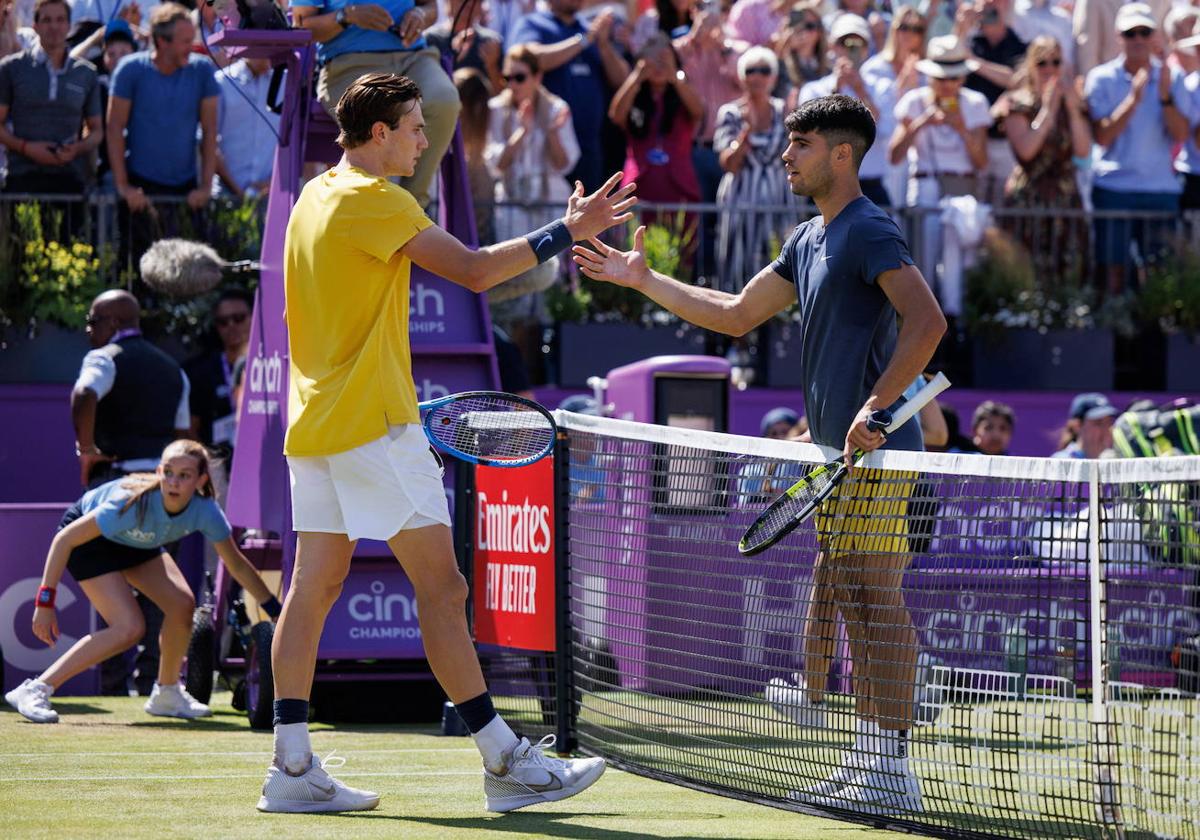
[
  {"x": 516, "y": 77},
  {"x": 758, "y": 70},
  {"x": 226, "y": 320},
  {"x": 1050, "y": 62},
  {"x": 1137, "y": 32},
  {"x": 915, "y": 28}
]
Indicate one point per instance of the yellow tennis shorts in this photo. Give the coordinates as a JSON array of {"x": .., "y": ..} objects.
[{"x": 867, "y": 514}]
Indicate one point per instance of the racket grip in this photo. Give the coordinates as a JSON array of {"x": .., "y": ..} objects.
[{"x": 879, "y": 420}]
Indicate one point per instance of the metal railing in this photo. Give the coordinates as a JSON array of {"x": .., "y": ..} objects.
[{"x": 711, "y": 239}]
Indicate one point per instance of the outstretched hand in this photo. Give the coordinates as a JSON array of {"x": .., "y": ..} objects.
[
  {"x": 591, "y": 215},
  {"x": 612, "y": 265}
]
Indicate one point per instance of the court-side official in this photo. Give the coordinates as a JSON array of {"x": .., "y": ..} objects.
[{"x": 852, "y": 274}]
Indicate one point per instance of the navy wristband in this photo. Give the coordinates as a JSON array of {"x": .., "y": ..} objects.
[
  {"x": 272, "y": 607},
  {"x": 550, "y": 241}
]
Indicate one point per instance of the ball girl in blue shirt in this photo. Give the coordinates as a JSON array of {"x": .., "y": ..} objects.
[{"x": 111, "y": 541}]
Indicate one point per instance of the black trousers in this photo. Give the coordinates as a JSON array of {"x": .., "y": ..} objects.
[{"x": 140, "y": 230}]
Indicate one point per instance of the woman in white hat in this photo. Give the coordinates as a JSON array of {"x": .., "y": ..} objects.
[{"x": 943, "y": 131}]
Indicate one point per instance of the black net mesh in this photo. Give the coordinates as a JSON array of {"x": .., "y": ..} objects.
[{"x": 999, "y": 647}]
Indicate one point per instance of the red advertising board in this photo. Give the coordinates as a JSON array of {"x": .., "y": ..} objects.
[{"x": 514, "y": 556}]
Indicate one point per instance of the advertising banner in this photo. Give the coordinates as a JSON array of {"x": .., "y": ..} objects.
[
  {"x": 25, "y": 535},
  {"x": 514, "y": 556}
]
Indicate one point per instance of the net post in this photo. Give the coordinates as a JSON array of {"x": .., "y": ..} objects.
[
  {"x": 564, "y": 682},
  {"x": 1108, "y": 799},
  {"x": 464, "y": 531}
]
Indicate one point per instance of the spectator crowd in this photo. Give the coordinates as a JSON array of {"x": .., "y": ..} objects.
[{"x": 1040, "y": 108}]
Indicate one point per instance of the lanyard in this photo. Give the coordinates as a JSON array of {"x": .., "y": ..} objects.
[{"x": 227, "y": 369}]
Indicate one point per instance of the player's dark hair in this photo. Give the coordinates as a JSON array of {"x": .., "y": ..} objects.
[
  {"x": 839, "y": 119},
  {"x": 989, "y": 409},
  {"x": 374, "y": 98}
]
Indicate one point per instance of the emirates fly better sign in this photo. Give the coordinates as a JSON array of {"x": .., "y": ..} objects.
[{"x": 514, "y": 556}]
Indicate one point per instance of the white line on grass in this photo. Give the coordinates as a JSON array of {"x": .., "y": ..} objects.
[
  {"x": 156, "y": 778},
  {"x": 266, "y": 753}
]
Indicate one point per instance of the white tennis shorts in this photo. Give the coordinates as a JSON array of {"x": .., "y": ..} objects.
[{"x": 374, "y": 491}]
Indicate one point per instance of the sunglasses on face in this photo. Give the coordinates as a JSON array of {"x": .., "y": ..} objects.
[
  {"x": 809, "y": 26},
  {"x": 914, "y": 28},
  {"x": 1050, "y": 62},
  {"x": 1139, "y": 32},
  {"x": 93, "y": 320},
  {"x": 761, "y": 70},
  {"x": 226, "y": 320},
  {"x": 515, "y": 78}
]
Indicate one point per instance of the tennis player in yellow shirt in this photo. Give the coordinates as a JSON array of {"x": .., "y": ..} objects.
[{"x": 360, "y": 466}]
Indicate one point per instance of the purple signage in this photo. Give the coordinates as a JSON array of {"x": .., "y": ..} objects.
[
  {"x": 375, "y": 616},
  {"x": 25, "y": 535}
]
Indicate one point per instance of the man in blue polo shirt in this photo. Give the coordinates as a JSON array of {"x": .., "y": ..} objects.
[
  {"x": 157, "y": 101},
  {"x": 854, "y": 279},
  {"x": 581, "y": 65},
  {"x": 1140, "y": 110},
  {"x": 49, "y": 97},
  {"x": 354, "y": 39}
]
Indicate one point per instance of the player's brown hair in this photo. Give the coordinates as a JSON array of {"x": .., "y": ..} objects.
[{"x": 374, "y": 98}]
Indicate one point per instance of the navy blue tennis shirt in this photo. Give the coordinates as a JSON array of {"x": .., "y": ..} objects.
[{"x": 847, "y": 323}]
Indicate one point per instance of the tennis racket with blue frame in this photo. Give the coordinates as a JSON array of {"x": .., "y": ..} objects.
[
  {"x": 490, "y": 428},
  {"x": 804, "y": 498}
]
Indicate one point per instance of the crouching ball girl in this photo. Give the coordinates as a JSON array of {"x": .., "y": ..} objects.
[{"x": 111, "y": 540}]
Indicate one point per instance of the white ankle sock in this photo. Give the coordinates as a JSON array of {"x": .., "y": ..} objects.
[
  {"x": 866, "y": 739},
  {"x": 292, "y": 747},
  {"x": 49, "y": 688},
  {"x": 894, "y": 744},
  {"x": 495, "y": 741}
]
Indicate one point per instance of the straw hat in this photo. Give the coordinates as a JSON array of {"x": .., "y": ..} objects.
[{"x": 946, "y": 58}]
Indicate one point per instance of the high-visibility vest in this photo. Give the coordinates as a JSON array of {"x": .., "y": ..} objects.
[{"x": 1170, "y": 512}]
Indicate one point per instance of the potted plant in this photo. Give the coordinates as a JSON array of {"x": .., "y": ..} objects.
[
  {"x": 46, "y": 288},
  {"x": 1170, "y": 301},
  {"x": 1037, "y": 332},
  {"x": 600, "y": 326}
]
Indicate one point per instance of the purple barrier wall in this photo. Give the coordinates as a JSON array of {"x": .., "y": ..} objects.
[{"x": 25, "y": 534}]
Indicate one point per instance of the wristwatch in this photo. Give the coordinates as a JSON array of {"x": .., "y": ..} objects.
[{"x": 340, "y": 18}]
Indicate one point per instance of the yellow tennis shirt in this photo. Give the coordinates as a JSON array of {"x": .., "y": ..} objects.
[{"x": 346, "y": 291}]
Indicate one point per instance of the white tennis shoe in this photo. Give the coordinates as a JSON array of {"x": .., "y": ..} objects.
[
  {"x": 174, "y": 701},
  {"x": 312, "y": 792},
  {"x": 887, "y": 788},
  {"x": 533, "y": 776},
  {"x": 32, "y": 699},
  {"x": 854, "y": 763},
  {"x": 792, "y": 702}
]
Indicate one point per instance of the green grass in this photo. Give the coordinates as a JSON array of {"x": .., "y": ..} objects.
[{"x": 109, "y": 770}]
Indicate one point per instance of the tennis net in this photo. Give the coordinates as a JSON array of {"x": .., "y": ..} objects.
[{"x": 1032, "y": 624}]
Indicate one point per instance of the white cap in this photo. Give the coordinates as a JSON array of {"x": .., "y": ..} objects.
[
  {"x": 1133, "y": 15},
  {"x": 848, "y": 24}
]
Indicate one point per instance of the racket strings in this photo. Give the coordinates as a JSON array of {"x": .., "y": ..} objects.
[
  {"x": 492, "y": 427},
  {"x": 784, "y": 510}
]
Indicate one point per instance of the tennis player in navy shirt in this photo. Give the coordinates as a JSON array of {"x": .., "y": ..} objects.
[{"x": 870, "y": 325}]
